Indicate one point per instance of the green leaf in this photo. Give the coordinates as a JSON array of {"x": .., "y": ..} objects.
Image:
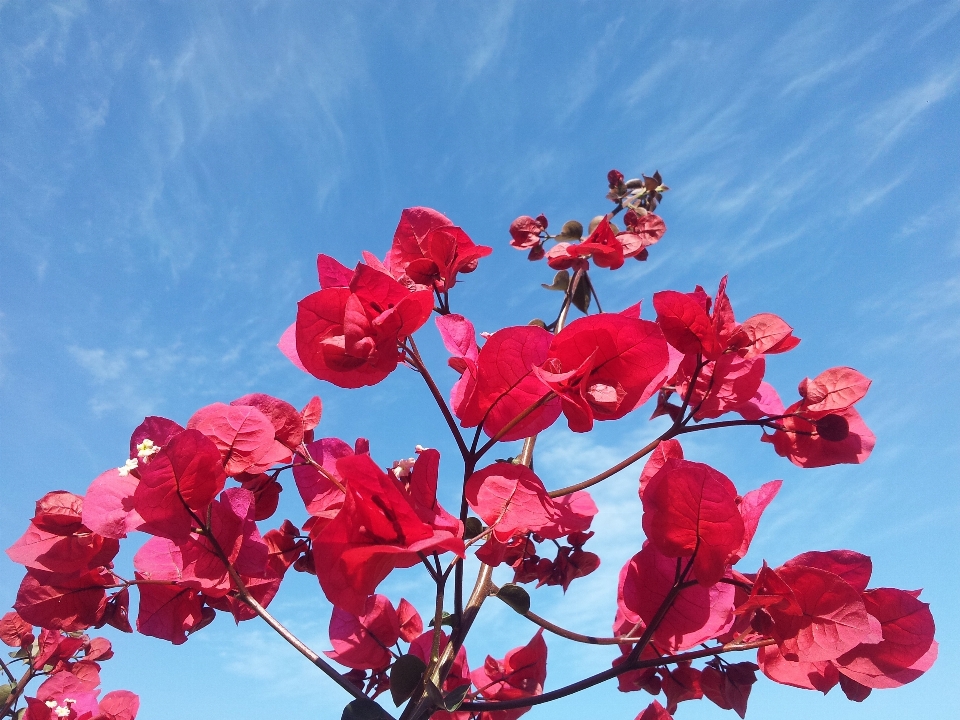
[
  {"x": 581, "y": 296},
  {"x": 405, "y": 675},
  {"x": 445, "y": 619},
  {"x": 455, "y": 697},
  {"x": 364, "y": 709},
  {"x": 571, "y": 230},
  {"x": 471, "y": 528},
  {"x": 560, "y": 281},
  {"x": 516, "y": 597},
  {"x": 5, "y": 691}
]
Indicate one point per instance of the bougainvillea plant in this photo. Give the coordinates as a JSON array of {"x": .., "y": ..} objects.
[{"x": 685, "y": 609}]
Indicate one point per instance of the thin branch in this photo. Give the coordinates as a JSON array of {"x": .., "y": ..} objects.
[
  {"x": 301, "y": 647},
  {"x": 570, "y": 634},
  {"x": 8, "y": 673},
  {"x": 244, "y": 596},
  {"x": 513, "y": 423},
  {"x": 438, "y": 396},
  {"x": 607, "y": 675},
  {"x": 625, "y": 463},
  {"x": 17, "y": 691}
]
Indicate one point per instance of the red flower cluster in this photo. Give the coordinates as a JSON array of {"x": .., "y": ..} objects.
[
  {"x": 72, "y": 665},
  {"x": 817, "y": 623},
  {"x": 199, "y": 492}
]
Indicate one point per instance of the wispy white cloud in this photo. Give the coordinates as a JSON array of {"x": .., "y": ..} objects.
[
  {"x": 888, "y": 122},
  {"x": 491, "y": 34},
  {"x": 129, "y": 382},
  {"x": 810, "y": 75}
]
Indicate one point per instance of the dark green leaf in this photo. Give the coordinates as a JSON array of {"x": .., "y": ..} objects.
[
  {"x": 455, "y": 697},
  {"x": 571, "y": 230},
  {"x": 364, "y": 709},
  {"x": 581, "y": 296},
  {"x": 445, "y": 619},
  {"x": 433, "y": 692},
  {"x": 516, "y": 597},
  {"x": 405, "y": 675},
  {"x": 560, "y": 281},
  {"x": 471, "y": 528}
]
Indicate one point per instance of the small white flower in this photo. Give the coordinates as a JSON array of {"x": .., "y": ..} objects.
[
  {"x": 402, "y": 468},
  {"x": 62, "y": 711},
  {"x": 127, "y": 467},
  {"x": 51, "y": 704},
  {"x": 146, "y": 449}
]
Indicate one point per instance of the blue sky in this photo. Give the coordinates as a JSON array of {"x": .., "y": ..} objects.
[{"x": 169, "y": 171}]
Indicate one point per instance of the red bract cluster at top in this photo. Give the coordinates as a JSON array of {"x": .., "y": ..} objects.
[{"x": 199, "y": 491}]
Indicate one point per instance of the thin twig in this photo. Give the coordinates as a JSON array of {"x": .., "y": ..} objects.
[
  {"x": 438, "y": 396},
  {"x": 513, "y": 423}
]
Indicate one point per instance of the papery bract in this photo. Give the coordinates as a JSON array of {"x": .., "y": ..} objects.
[
  {"x": 180, "y": 481},
  {"x": 761, "y": 334},
  {"x": 520, "y": 674},
  {"x": 242, "y": 433},
  {"x": 664, "y": 451},
  {"x": 235, "y": 533},
  {"x": 834, "y": 389},
  {"x": 411, "y": 624},
  {"x": 654, "y": 711},
  {"x": 66, "y": 602},
  {"x": 108, "y": 506},
  {"x": 690, "y": 509},
  {"x": 511, "y": 499},
  {"x": 853, "y": 567},
  {"x": 605, "y": 366},
  {"x": 525, "y": 232},
  {"x": 686, "y": 324},
  {"x": 169, "y": 612},
  {"x": 459, "y": 337},
  {"x": 752, "y": 506},
  {"x": 363, "y": 641},
  {"x": 698, "y": 614},
  {"x": 507, "y": 384},
  {"x": 158, "y": 430},
  {"x": 350, "y": 336},
  {"x": 14, "y": 629},
  {"x": 907, "y": 649},
  {"x": 119, "y": 705},
  {"x": 820, "y": 676},
  {"x": 375, "y": 531},
  {"x": 429, "y": 250},
  {"x": 318, "y": 487},
  {"x": 832, "y": 618},
  {"x": 71, "y": 554},
  {"x": 728, "y": 685},
  {"x": 800, "y": 441}
]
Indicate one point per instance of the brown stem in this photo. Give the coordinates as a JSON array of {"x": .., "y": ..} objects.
[
  {"x": 438, "y": 396},
  {"x": 319, "y": 468},
  {"x": 244, "y": 596},
  {"x": 609, "y": 674},
  {"x": 17, "y": 691},
  {"x": 627, "y": 462},
  {"x": 513, "y": 423},
  {"x": 6, "y": 671},
  {"x": 570, "y": 634}
]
